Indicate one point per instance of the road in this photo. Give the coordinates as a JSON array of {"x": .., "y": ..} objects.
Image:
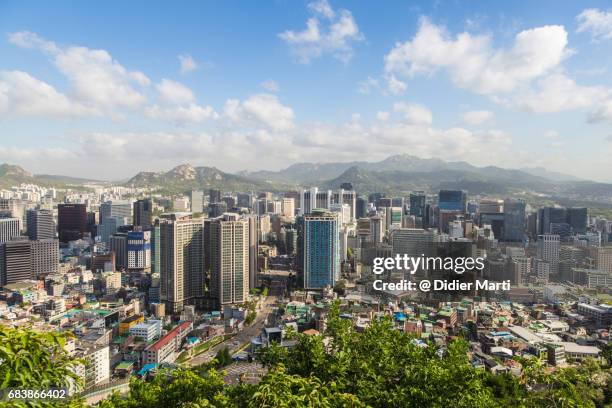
[{"x": 241, "y": 338}]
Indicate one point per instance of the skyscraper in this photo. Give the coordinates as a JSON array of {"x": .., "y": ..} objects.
[
  {"x": 550, "y": 215},
  {"x": 548, "y": 250},
  {"x": 44, "y": 257},
  {"x": 321, "y": 249},
  {"x": 452, "y": 200},
  {"x": 197, "y": 201},
  {"x": 514, "y": 220},
  {"x": 71, "y": 221},
  {"x": 139, "y": 250},
  {"x": 214, "y": 196},
  {"x": 9, "y": 228},
  {"x": 361, "y": 209},
  {"x": 577, "y": 219},
  {"x": 40, "y": 224},
  {"x": 116, "y": 209},
  {"x": 417, "y": 204},
  {"x": 229, "y": 259},
  {"x": 15, "y": 263},
  {"x": 143, "y": 213},
  {"x": 181, "y": 260},
  {"x": 119, "y": 245}
]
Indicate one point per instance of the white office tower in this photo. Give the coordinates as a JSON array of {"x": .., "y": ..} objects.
[
  {"x": 181, "y": 260},
  {"x": 548, "y": 250},
  {"x": 197, "y": 201},
  {"x": 288, "y": 207},
  {"x": 314, "y": 199},
  {"x": 344, "y": 212},
  {"x": 229, "y": 259},
  {"x": 348, "y": 197}
]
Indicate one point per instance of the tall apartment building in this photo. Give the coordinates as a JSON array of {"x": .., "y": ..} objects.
[
  {"x": 71, "y": 221},
  {"x": 228, "y": 239},
  {"x": 143, "y": 213},
  {"x": 15, "y": 264},
  {"x": 40, "y": 224},
  {"x": 181, "y": 260},
  {"x": 9, "y": 228},
  {"x": 320, "y": 252},
  {"x": 288, "y": 207}
]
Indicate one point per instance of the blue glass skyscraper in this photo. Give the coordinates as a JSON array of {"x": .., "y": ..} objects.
[{"x": 321, "y": 249}]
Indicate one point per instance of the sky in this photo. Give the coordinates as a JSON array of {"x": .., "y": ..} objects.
[{"x": 105, "y": 91}]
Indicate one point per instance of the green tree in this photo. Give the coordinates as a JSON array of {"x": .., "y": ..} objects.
[{"x": 33, "y": 360}]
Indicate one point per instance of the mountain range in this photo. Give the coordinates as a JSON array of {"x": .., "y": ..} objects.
[{"x": 397, "y": 174}]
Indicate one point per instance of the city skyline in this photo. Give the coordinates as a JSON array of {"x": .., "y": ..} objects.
[{"x": 514, "y": 86}]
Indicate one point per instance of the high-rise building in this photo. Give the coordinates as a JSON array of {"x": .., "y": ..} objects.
[
  {"x": 413, "y": 241},
  {"x": 418, "y": 200},
  {"x": 139, "y": 250},
  {"x": 181, "y": 260},
  {"x": 577, "y": 219},
  {"x": 321, "y": 249},
  {"x": 155, "y": 248},
  {"x": 348, "y": 197},
  {"x": 452, "y": 200},
  {"x": 288, "y": 207},
  {"x": 550, "y": 215},
  {"x": 514, "y": 220},
  {"x": 44, "y": 257},
  {"x": 244, "y": 200},
  {"x": 40, "y": 224},
  {"x": 313, "y": 199},
  {"x": 253, "y": 251},
  {"x": 143, "y": 213},
  {"x": 361, "y": 209},
  {"x": 377, "y": 229},
  {"x": 229, "y": 258},
  {"x": 9, "y": 228},
  {"x": 393, "y": 217},
  {"x": 116, "y": 209},
  {"x": 214, "y": 196},
  {"x": 71, "y": 221},
  {"x": 197, "y": 201},
  {"x": 216, "y": 209},
  {"x": 118, "y": 244},
  {"x": 548, "y": 250},
  {"x": 109, "y": 227},
  {"x": 15, "y": 263}
]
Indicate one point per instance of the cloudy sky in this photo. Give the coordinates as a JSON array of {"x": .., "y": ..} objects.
[{"x": 110, "y": 90}]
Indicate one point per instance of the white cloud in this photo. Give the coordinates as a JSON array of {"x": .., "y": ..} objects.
[
  {"x": 23, "y": 95},
  {"x": 260, "y": 109},
  {"x": 187, "y": 63},
  {"x": 473, "y": 63},
  {"x": 602, "y": 113},
  {"x": 414, "y": 114},
  {"x": 97, "y": 80},
  {"x": 551, "y": 135},
  {"x": 382, "y": 115},
  {"x": 557, "y": 92},
  {"x": 367, "y": 86},
  {"x": 335, "y": 34},
  {"x": 476, "y": 117},
  {"x": 395, "y": 86},
  {"x": 191, "y": 113},
  {"x": 323, "y": 8},
  {"x": 270, "y": 86},
  {"x": 174, "y": 92},
  {"x": 596, "y": 22}
]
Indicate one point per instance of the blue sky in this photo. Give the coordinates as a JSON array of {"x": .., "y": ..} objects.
[{"x": 108, "y": 90}]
